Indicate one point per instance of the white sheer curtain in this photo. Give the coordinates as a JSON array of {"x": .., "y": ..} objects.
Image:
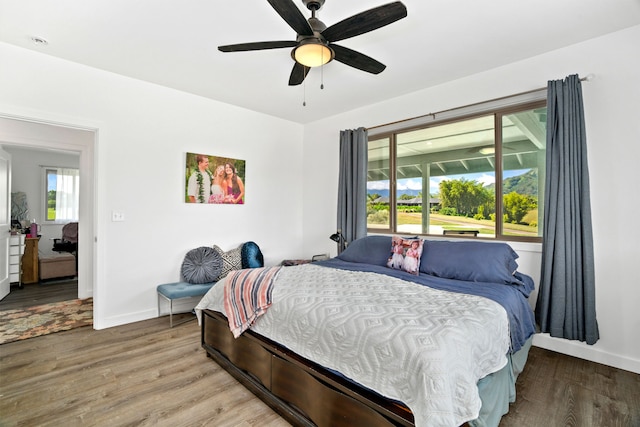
[{"x": 67, "y": 194}]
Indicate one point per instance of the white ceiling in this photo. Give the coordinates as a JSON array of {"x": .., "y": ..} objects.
[{"x": 174, "y": 43}]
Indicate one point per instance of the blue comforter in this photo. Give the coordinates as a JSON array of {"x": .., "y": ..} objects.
[{"x": 513, "y": 297}]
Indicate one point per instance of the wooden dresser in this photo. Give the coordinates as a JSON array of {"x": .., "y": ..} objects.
[{"x": 30, "y": 260}]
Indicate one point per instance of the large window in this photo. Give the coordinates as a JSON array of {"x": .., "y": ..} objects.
[
  {"x": 480, "y": 175},
  {"x": 62, "y": 194}
]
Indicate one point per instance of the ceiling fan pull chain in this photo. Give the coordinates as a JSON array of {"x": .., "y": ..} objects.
[
  {"x": 322, "y": 71},
  {"x": 304, "y": 93}
]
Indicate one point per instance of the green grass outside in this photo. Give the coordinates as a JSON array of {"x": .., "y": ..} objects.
[{"x": 485, "y": 226}]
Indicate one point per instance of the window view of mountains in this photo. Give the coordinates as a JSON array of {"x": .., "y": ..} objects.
[{"x": 526, "y": 184}]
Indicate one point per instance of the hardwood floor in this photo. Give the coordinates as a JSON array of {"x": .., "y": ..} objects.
[
  {"x": 145, "y": 374},
  {"x": 559, "y": 390},
  {"x": 40, "y": 293},
  {"x": 141, "y": 374}
]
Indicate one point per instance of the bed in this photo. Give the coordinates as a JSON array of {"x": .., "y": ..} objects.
[{"x": 363, "y": 340}]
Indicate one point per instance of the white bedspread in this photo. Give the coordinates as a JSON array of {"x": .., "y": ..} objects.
[{"x": 424, "y": 347}]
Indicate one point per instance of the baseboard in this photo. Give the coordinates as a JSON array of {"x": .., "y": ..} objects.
[
  {"x": 183, "y": 305},
  {"x": 124, "y": 319},
  {"x": 587, "y": 352}
]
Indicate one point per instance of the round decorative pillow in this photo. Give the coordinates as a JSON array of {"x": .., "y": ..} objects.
[
  {"x": 251, "y": 256},
  {"x": 201, "y": 265}
]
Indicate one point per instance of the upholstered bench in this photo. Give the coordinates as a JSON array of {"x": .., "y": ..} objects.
[
  {"x": 202, "y": 267},
  {"x": 57, "y": 265},
  {"x": 179, "y": 290}
]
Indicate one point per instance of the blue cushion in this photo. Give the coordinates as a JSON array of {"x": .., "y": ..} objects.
[
  {"x": 251, "y": 256},
  {"x": 374, "y": 249},
  {"x": 184, "y": 289},
  {"x": 201, "y": 265},
  {"x": 470, "y": 261}
]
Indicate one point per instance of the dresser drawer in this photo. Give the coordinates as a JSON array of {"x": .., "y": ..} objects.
[
  {"x": 16, "y": 250},
  {"x": 17, "y": 239}
]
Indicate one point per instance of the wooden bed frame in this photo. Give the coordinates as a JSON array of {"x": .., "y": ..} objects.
[{"x": 301, "y": 391}]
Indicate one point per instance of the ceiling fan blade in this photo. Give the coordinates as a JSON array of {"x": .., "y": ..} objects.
[
  {"x": 298, "y": 74},
  {"x": 366, "y": 21},
  {"x": 292, "y": 15},
  {"x": 357, "y": 60},
  {"x": 242, "y": 47}
]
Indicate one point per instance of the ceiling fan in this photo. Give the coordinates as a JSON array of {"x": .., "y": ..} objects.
[{"x": 314, "y": 44}]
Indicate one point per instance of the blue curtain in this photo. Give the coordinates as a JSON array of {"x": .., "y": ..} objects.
[
  {"x": 352, "y": 184},
  {"x": 566, "y": 296}
]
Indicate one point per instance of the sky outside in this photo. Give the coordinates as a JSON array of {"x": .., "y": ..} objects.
[{"x": 52, "y": 181}]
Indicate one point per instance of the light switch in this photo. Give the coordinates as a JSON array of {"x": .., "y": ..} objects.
[{"x": 117, "y": 216}]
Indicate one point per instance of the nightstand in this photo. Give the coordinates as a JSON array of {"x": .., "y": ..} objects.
[{"x": 290, "y": 262}]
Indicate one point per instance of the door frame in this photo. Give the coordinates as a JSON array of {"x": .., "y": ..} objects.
[
  {"x": 5, "y": 226},
  {"x": 27, "y": 131}
]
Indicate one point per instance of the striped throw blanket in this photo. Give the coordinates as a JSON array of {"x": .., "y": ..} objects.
[{"x": 247, "y": 295}]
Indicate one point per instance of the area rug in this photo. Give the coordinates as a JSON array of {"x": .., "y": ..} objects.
[{"x": 45, "y": 319}]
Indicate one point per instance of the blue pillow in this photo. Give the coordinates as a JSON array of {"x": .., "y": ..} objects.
[
  {"x": 470, "y": 261},
  {"x": 368, "y": 250},
  {"x": 251, "y": 256}
]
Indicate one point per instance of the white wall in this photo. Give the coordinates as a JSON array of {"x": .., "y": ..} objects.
[
  {"x": 612, "y": 105},
  {"x": 144, "y": 131},
  {"x": 26, "y": 176}
]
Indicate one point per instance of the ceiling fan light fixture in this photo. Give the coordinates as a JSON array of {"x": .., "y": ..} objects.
[
  {"x": 487, "y": 150},
  {"x": 314, "y": 43},
  {"x": 312, "y": 54}
]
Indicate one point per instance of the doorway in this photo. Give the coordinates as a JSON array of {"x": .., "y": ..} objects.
[{"x": 41, "y": 136}]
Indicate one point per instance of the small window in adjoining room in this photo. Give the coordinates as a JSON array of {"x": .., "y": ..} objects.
[
  {"x": 62, "y": 194},
  {"x": 476, "y": 175}
]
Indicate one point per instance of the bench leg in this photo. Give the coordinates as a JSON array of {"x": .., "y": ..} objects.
[
  {"x": 171, "y": 324},
  {"x": 189, "y": 319}
]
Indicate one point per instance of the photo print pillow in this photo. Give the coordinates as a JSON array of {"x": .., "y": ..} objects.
[{"x": 405, "y": 254}]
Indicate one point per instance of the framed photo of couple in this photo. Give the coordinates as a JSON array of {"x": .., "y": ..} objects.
[{"x": 214, "y": 180}]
